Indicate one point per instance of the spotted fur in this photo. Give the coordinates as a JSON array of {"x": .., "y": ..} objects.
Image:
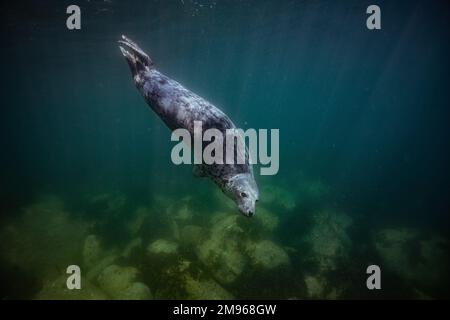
[{"x": 178, "y": 107}]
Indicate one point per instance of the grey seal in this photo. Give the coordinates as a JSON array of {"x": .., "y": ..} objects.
[{"x": 178, "y": 107}]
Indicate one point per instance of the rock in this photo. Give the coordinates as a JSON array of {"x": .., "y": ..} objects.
[
  {"x": 392, "y": 246},
  {"x": 169, "y": 279},
  {"x": 57, "y": 290},
  {"x": 133, "y": 247},
  {"x": 267, "y": 255},
  {"x": 162, "y": 204},
  {"x": 135, "y": 225},
  {"x": 434, "y": 253},
  {"x": 232, "y": 265},
  {"x": 92, "y": 251},
  {"x": 102, "y": 264},
  {"x": 174, "y": 228},
  {"x": 121, "y": 283},
  {"x": 205, "y": 289},
  {"x": 136, "y": 291},
  {"x": 267, "y": 221},
  {"x": 161, "y": 256},
  {"x": 184, "y": 214},
  {"x": 44, "y": 229},
  {"x": 411, "y": 255},
  {"x": 114, "y": 278},
  {"x": 334, "y": 294},
  {"x": 162, "y": 247},
  {"x": 328, "y": 239},
  {"x": 192, "y": 235},
  {"x": 315, "y": 287},
  {"x": 180, "y": 267},
  {"x": 222, "y": 252}
]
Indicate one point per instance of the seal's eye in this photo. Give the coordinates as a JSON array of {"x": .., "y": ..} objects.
[{"x": 244, "y": 195}]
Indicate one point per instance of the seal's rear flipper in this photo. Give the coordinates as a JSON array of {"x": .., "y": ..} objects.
[{"x": 137, "y": 59}]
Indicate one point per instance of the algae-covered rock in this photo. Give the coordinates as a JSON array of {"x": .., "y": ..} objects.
[
  {"x": 222, "y": 252},
  {"x": 132, "y": 248},
  {"x": 44, "y": 239},
  {"x": 162, "y": 256},
  {"x": 267, "y": 255},
  {"x": 168, "y": 280},
  {"x": 162, "y": 247},
  {"x": 191, "y": 235},
  {"x": 223, "y": 258},
  {"x": 95, "y": 258},
  {"x": 92, "y": 251},
  {"x": 106, "y": 260},
  {"x": 121, "y": 283},
  {"x": 205, "y": 289},
  {"x": 136, "y": 291},
  {"x": 328, "y": 239},
  {"x": 56, "y": 289},
  {"x": 266, "y": 220},
  {"x": 138, "y": 219},
  {"x": 315, "y": 287},
  {"x": 318, "y": 287},
  {"x": 114, "y": 278},
  {"x": 184, "y": 214},
  {"x": 392, "y": 246},
  {"x": 411, "y": 254}
]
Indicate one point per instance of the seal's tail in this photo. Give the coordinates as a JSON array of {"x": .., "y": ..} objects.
[{"x": 137, "y": 59}]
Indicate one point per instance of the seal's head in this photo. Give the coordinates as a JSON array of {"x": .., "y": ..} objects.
[{"x": 243, "y": 190}]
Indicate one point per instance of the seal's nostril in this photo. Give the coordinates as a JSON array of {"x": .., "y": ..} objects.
[{"x": 250, "y": 214}]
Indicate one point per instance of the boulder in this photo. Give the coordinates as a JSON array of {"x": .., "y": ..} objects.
[
  {"x": 56, "y": 289},
  {"x": 92, "y": 251},
  {"x": 121, "y": 283},
  {"x": 205, "y": 289},
  {"x": 162, "y": 247},
  {"x": 267, "y": 255},
  {"x": 223, "y": 252}
]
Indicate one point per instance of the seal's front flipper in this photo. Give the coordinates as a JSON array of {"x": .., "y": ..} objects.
[
  {"x": 137, "y": 59},
  {"x": 199, "y": 171}
]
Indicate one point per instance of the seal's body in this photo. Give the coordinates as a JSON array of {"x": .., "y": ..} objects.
[{"x": 179, "y": 108}]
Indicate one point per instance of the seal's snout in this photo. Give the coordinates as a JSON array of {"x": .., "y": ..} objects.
[{"x": 247, "y": 209}]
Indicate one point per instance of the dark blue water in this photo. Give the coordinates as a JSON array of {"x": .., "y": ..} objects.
[{"x": 363, "y": 118}]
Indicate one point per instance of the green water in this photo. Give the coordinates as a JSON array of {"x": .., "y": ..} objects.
[{"x": 87, "y": 179}]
